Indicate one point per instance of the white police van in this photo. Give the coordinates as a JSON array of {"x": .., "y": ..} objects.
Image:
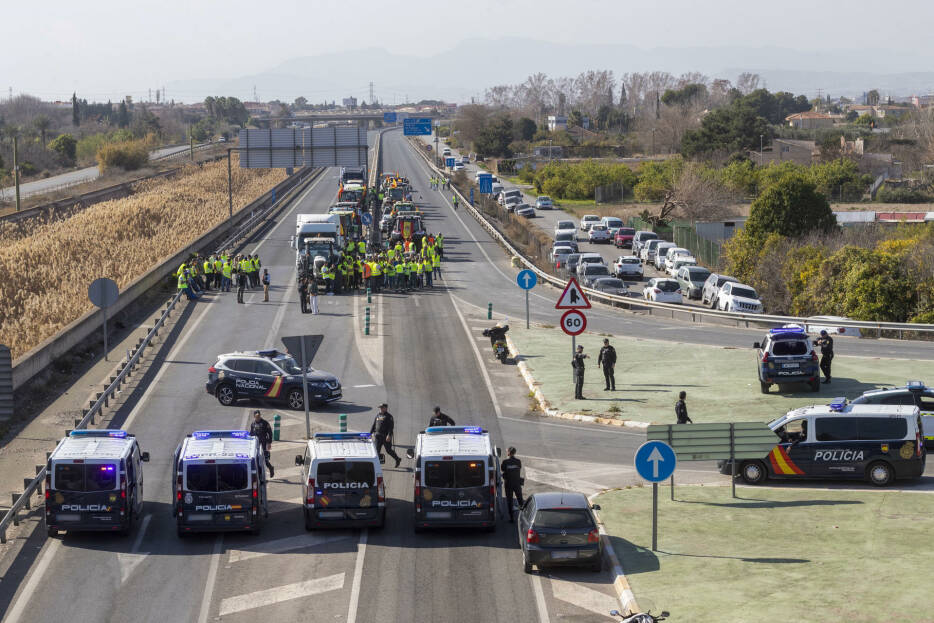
[
  {"x": 456, "y": 478},
  {"x": 94, "y": 481},
  {"x": 342, "y": 482},
  {"x": 219, "y": 483},
  {"x": 878, "y": 443}
]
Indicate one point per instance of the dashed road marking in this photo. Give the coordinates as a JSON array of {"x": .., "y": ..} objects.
[
  {"x": 286, "y": 592},
  {"x": 280, "y": 546}
]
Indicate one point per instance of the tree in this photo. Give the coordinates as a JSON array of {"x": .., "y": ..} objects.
[
  {"x": 75, "y": 110},
  {"x": 575, "y": 118},
  {"x": 688, "y": 95},
  {"x": 872, "y": 98},
  {"x": 65, "y": 145},
  {"x": 792, "y": 206},
  {"x": 525, "y": 129},
  {"x": 747, "y": 82},
  {"x": 42, "y": 124},
  {"x": 123, "y": 115},
  {"x": 495, "y": 138},
  {"x": 301, "y": 102}
]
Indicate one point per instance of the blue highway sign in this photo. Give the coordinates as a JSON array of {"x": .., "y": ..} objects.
[
  {"x": 449, "y": 162},
  {"x": 416, "y": 127},
  {"x": 655, "y": 461},
  {"x": 485, "y": 182},
  {"x": 389, "y": 117},
  {"x": 471, "y": 196},
  {"x": 526, "y": 279},
  {"x": 366, "y": 218}
]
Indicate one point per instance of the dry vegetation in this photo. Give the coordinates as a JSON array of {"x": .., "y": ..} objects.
[{"x": 46, "y": 266}]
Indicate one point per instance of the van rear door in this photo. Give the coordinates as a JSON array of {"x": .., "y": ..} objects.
[
  {"x": 346, "y": 489},
  {"x": 456, "y": 490},
  {"x": 85, "y": 494},
  {"x": 217, "y": 495}
]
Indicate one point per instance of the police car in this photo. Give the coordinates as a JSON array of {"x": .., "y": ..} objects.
[
  {"x": 342, "y": 481},
  {"x": 94, "y": 481},
  {"x": 878, "y": 443},
  {"x": 913, "y": 393},
  {"x": 786, "y": 356},
  {"x": 219, "y": 482},
  {"x": 268, "y": 375},
  {"x": 456, "y": 478}
]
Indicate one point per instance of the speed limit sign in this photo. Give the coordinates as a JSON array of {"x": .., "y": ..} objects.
[{"x": 573, "y": 322}]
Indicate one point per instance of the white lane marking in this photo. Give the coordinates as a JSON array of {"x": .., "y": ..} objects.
[
  {"x": 279, "y": 594},
  {"x": 31, "y": 587},
  {"x": 583, "y": 597},
  {"x": 212, "y": 577},
  {"x": 357, "y": 578},
  {"x": 370, "y": 347},
  {"x": 130, "y": 561},
  {"x": 417, "y": 304},
  {"x": 366, "y": 385},
  {"x": 540, "y": 605},
  {"x": 574, "y": 484},
  {"x": 279, "y": 546},
  {"x": 599, "y": 431}
]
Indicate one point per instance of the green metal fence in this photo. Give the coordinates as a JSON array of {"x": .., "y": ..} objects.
[{"x": 706, "y": 251}]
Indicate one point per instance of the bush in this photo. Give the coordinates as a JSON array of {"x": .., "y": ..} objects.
[
  {"x": 126, "y": 155},
  {"x": 65, "y": 146},
  {"x": 903, "y": 195},
  {"x": 792, "y": 206}
]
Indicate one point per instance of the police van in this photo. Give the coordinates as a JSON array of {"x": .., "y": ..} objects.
[
  {"x": 456, "y": 478},
  {"x": 219, "y": 483},
  {"x": 342, "y": 482},
  {"x": 912, "y": 393},
  {"x": 94, "y": 481},
  {"x": 878, "y": 443}
]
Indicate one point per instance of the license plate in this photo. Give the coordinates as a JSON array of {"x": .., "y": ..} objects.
[
  {"x": 102, "y": 517},
  {"x": 199, "y": 517},
  {"x": 564, "y": 554},
  {"x": 331, "y": 514},
  {"x": 68, "y": 517},
  {"x": 791, "y": 365},
  {"x": 438, "y": 514}
]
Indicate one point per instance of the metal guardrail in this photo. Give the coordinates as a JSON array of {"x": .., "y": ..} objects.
[
  {"x": 34, "y": 485},
  {"x": 695, "y": 313},
  {"x": 186, "y": 150}
]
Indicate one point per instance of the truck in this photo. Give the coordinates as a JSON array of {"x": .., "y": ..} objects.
[
  {"x": 353, "y": 175},
  {"x": 317, "y": 231}
]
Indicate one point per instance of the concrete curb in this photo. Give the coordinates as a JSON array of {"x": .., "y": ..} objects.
[
  {"x": 620, "y": 583},
  {"x": 545, "y": 406}
]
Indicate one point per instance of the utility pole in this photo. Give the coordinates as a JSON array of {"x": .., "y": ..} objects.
[
  {"x": 761, "y": 137},
  {"x": 16, "y": 173},
  {"x": 191, "y": 144},
  {"x": 372, "y": 98},
  {"x": 255, "y": 96}
]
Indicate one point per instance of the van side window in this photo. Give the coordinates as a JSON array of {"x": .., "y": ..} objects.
[
  {"x": 835, "y": 428},
  {"x": 926, "y": 403},
  {"x": 879, "y": 428},
  {"x": 898, "y": 399},
  {"x": 131, "y": 468}
]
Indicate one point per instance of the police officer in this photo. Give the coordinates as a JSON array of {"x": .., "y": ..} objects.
[
  {"x": 261, "y": 429},
  {"x": 826, "y": 353},
  {"x": 607, "y": 359},
  {"x": 512, "y": 479},
  {"x": 381, "y": 430},
  {"x": 681, "y": 409},
  {"x": 440, "y": 419},
  {"x": 303, "y": 294},
  {"x": 578, "y": 365}
]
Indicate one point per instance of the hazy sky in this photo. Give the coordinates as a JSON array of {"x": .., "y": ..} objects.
[{"x": 107, "y": 48}]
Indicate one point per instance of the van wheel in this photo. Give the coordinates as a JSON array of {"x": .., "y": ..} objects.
[
  {"x": 226, "y": 395},
  {"x": 880, "y": 474},
  {"x": 308, "y": 526},
  {"x": 125, "y": 530},
  {"x": 181, "y": 533},
  {"x": 418, "y": 529},
  {"x": 256, "y": 531},
  {"x": 753, "y": 472},
  {"x": 296, "y": 399},
  {"x": 764, "y": 387},
  {"x": 526, "y": 565},
  {"x": 597, "y": 567},
  {"x": 53, "y": 533}
]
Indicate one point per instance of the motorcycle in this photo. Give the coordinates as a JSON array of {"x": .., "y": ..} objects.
[
  {"x": 497, "y": 337},
  {"x": 641, "y": 617}
]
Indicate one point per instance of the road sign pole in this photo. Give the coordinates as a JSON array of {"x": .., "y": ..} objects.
[
  {"x": 104, "y": 309},
  {"x": 527, "y": 309},
  {"x": 573, "y": 352},
  {"x": 654, "y": 516},
  {"x": 305, "y": 390},
  {"x": 672, "y": 444},
  {"x": 733, "y": 458}
]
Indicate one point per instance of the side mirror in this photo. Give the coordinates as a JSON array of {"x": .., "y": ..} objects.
[
  {"x": 144, "y": 457},
  {"x": 299, "y": 459},
  {"x": 276, "y": 373},
  {"x": 664, "y": 614},
  {"x": 595, "y": 507},
  {"x": 756, "y": 345},
  {"x": 410, "y": 453},
  {"x": 292, "y": 242},
  {"x": 614, "y": 613},
  {"x": 499, "y": 451}
]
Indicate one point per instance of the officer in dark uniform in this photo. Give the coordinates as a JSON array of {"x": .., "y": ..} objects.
[
  {"x": 440, "y": 419},
  {"x": 382, "y": 429},
  {"x": 512, "y": 479},
  {"x": 607, "y": 359},
  {"x": 261, "y": 429},
  {"x": 826, "y": 353},
  {"x": 578, "y": 364},
  {"x": 681, "y": 409},
  {"x": 303, "y": 294}
]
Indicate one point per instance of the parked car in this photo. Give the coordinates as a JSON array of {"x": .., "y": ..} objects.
[
  {"x": 691, "y": 279},
  {"x": 589, "y": 258},
  {"x": 679, "y": 261},
  {"x": 628, "y": 266},
  {"x": 611, "y": 222},
  {"x": 661, "y": 250},
  {"x": 623, "y": 237},
  {"x": 647, "y": 253},
  {"x": 738, "y": 297},
  {"x": 712, "y": 287},
  {"x": 506, "y": 194},
  {"x": 588, "y": 220},
  {"x": 544, "y": 202},
  {"x": 670, "y": 256},
  {"x": 525, "y": 210},
  {"x": 611, "y": 285},
  {"x": 830, "y": 324},
  {"x": 598, "y": 233},
  {"x": 662, "y": 290},
  {"x": 573, "y": 261},
  {"x": 511, "y": 203},
  {"x": 559, "y": 528},
  {"x": 640, "y": 238},
  {"x": 786, "y": 356},
  {"x": 559, "y": 256},
  {"x": 591, "y": 272},
  {"x": 458, "y": 166},
  {"x": 567, "y": 236},
  {"x": 565, "y": 226}
]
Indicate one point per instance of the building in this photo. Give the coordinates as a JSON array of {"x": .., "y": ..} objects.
[
  {"x": 551, "y": 152},
  {"x": 782, "y": 149},
  {"x": 809, "y": 120},
  {"x": 349, "y": 102},
  {"x": 557, "y": 122}
]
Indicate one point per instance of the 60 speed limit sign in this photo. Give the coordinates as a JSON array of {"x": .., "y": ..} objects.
[{"x": 573, "y": 322}]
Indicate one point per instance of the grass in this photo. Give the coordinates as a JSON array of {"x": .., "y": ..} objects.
[
  {"x": 776, "y": 554},
  {"x": 46, "y": 265}
]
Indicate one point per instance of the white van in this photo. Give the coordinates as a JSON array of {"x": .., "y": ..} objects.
[{"x": 342, "y": 482}]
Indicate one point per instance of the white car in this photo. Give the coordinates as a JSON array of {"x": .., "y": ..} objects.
[
  {"x": 560, "y": 253},
  {"x": 660, "y": 250},
  {"x": 598, "y": 233},
  {"x": 738, "y": 297},
  {"x": 458, "y": 166},
  {"x": 670, "y": 255},
  {"x": 589, "y": 258},
  {"x": 628, "y": 266},
  {"x": 830, "y": 324},
  {"x": 563, "y": 226},
  {"x": 592, "y": 272},
  {"x": 679, "y": 261},
  {"x": 588, "y": 220},
  {"x": 662, "y": 290}
]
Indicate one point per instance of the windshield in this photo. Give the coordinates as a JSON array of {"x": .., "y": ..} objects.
[
  {"x": 454, "y": 474},
  {"x": 216, "y": 477},
  {"x": 85, "y": 477},
  {"x": 593, "y": 259},
  {"x": 289, "y": 365},
  {"x": 598, "y": 228},
  {"x": 630, "y": 260},
  {"x": 747, "y": 293},
  {"x": 625, "y": 231},
  {"x": 667, "y": 286},
  {"x": 647, "y": 235},
  {"x": 346, "y": 472},
  {"x": 567, "y": 519},
  {"x": 610, "y": 283},
  {"x": 565, "y": 236},
  {"x": 565, "y": 225},
  {"x": 597, "y": 269},
  {"x": 698, "y": 275}
]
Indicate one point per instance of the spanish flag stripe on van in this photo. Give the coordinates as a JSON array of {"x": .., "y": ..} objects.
[
  {"x": 782, "y": 463},
  {"x": 275, "y": 389}
]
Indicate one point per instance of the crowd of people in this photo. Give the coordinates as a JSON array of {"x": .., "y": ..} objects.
[{"x": 221, "y": 272}]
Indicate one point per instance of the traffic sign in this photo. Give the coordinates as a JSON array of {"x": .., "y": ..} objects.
[
  {"x": 485, "y": 182},
  {"x": 526, "y": 279},
  {"x": 449, "y": 163},
  {"x": 416, "y": 127},
  {"x": 717, "y": 440},
  {"x": 471, "y": 196},
  {"x": 655, "y": 461},
  {"x": 572, "y": 297},
  {"x": 366, "y": 218},
  {"x": 573, "y": 322},
  {"x": 103, "y": 292},
  {"x": 389, "y": 117}
]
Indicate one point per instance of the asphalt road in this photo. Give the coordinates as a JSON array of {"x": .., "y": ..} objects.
[{"x": 424, "y": 349}]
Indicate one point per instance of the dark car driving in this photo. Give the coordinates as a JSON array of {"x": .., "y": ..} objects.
[{"x": 559, "y": 528}]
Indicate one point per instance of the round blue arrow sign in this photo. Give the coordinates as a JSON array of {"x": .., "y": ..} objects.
[
  {"x": 366, "y": 218},
  {"x": 526, "y": 279},
  {"x": 655, "y": 461}
]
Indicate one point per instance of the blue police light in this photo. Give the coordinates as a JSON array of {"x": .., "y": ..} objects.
[
  {"x": 342, "y": 436},
  {"x": 103, "y": 432},
  {"x": 837, "y": 404},
  {"x": 214, "y": 434},
  {"x": 107, "y": 468},
  {"x": 786, "y": 329},
  {"x": 453, "y": 430},
  {"x": 915, "y": 385},
  {"x": 269, "y": 352}
]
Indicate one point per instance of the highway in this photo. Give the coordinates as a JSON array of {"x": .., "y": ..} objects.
[{"x": 425, "y": 349}]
